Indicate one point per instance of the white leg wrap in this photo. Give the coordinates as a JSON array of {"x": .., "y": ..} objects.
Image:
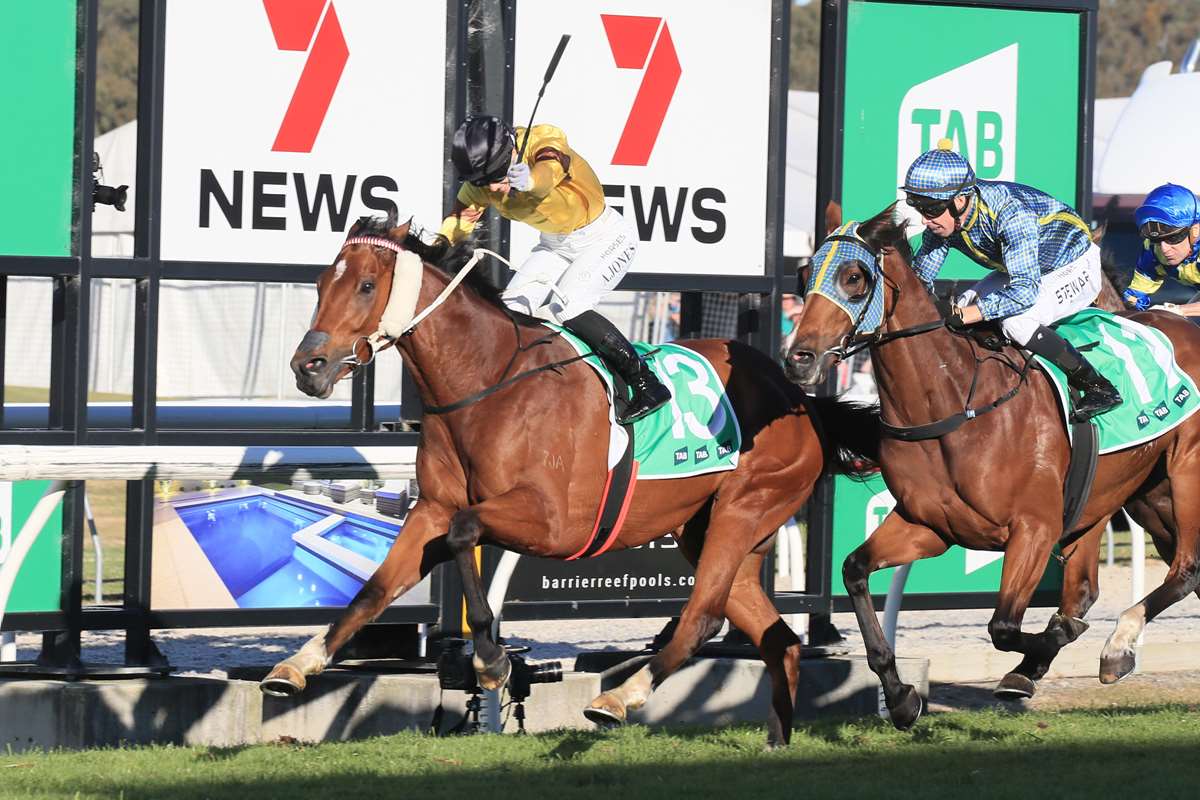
[
  {"x": 635, "y": 691},
  {"x": 1129, "y": 626},
  {"x": 312, "y": 657}
]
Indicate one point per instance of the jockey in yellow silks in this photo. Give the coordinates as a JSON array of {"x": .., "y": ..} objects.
[{"x": 585, "y": 247}]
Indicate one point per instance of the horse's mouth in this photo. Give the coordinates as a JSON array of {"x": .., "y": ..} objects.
[
  {"x": 806, "y": 368},
  {"x": 321, "y": 384}
]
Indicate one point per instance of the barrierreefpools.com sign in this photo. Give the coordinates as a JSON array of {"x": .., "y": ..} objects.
[
  {"x": 1003, "y": 84},
  {"x": 285, "y": 120},
  {"x": 669, "y": 102}
]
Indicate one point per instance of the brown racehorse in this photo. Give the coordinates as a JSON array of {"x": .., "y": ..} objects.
[
  {"x": 524, "y": 467},
  {"x": 995, "y": 483}
]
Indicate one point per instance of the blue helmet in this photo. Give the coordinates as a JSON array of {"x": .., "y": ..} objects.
[
  {"x": 941, "y": 174},
  {"x": 1168, "y": 208}
]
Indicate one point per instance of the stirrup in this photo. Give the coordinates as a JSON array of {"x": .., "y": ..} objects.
[{"x": 635, "y": 412}]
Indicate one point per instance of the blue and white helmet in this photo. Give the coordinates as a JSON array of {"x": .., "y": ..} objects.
[
  {"x": 940, "y": 174},
  {"x": 1167, "y": 208}
]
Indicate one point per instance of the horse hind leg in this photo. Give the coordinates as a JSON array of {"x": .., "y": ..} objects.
[
  {"x": 702, "y": 618},
  {"x": 1079, "y": 591},
  {"x": 1118, "y": 657},
  {"x": 751, "y": 611},
  {"x": 491, "y": 663}
]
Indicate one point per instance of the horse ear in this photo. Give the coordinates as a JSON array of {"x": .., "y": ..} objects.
[
  {"x": 1099, "y": 231},
  {"x": 397, "y": 233},
  {"x": 393, "y": 216},
  {"x": 833, "y": 217}
]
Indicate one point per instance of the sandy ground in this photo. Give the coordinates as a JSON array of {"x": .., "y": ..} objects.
[{"x": 947, "y": 638}]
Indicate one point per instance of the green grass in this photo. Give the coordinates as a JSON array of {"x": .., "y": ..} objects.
[{"x": 964, "y": 754}]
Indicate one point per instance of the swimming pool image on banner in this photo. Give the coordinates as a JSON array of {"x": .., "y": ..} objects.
[{"x": 245, "y": 546}]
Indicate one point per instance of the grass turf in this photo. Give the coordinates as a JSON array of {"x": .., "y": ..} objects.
[{"x": 981, "y": 754}]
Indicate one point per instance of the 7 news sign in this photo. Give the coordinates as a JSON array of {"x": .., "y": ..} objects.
[
  {"x": 675, "y": 126},
  {"x": 285, "y": 120}
]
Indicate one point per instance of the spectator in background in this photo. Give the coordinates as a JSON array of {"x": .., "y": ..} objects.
[{"x": 792, "y": 308}]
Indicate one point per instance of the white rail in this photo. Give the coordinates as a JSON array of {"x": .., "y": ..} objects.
[{"x": 119, "y": 462}]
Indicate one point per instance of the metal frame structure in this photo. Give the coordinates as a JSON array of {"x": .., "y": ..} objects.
[
  {"x": 831, "y": 127},
  {"x": 468, "y": 87}
]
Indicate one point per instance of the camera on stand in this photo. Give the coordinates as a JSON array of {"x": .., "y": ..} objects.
[
  {"x": 106, "y": 195},
  {"x": 455, "y": 671}
]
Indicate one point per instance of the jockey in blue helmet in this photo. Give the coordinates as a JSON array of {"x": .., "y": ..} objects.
[
  {"x": 1169, "y": 222},
  {"x": 1045, "y": 266}
]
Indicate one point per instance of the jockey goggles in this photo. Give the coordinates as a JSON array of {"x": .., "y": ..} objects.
[
  {"x": 1158, "y": 232},
  {"x": 927, "y": 207}
]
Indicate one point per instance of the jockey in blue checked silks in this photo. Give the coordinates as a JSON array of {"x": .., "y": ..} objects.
[
  {"x": 1169, "y": 223},
  {"x": 1045, "y": 266}
]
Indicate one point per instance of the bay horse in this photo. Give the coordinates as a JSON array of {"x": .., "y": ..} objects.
[
  {"x": 996, "y": 482},
  {"x": 525, "y": 466}
]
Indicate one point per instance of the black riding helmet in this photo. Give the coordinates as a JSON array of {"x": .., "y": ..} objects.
[{"x": 482, "y": 149}]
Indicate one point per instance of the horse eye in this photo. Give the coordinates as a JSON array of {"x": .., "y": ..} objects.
[{"x": 367, "y": 287}]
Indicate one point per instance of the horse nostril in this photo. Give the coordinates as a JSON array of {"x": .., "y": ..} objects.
[
  {"x": 803, "y": 357},
  {"x": 314, "y": 365}
]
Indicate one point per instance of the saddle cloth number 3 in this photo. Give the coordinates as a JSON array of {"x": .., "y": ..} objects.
[{"x": 698, "y": 386}]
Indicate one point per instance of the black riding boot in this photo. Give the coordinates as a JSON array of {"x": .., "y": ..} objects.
[
  {"x": 1098, "y": 394},
  {"x": 607, "y": 342}
]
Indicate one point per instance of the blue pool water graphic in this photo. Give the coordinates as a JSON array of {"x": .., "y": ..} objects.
[{"x": 248, "y": 541}]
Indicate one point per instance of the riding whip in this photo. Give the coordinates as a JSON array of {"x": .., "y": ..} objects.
[{"x": 558, "y": 51}]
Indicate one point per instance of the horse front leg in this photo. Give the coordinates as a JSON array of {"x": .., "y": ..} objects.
[
  {"x": 896, "y": 542},
  {"x": 1079, "y": 591},
  {"x": 491, "y": 663},
  {"x": 417, "y": 550}
]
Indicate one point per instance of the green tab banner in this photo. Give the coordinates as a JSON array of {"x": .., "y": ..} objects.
[{"x": 1003, "y": 84}]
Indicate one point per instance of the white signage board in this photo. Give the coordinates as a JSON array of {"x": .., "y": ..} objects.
[
  {"x": 286, "y": 120},
  {"x": 669, "y": 103}
]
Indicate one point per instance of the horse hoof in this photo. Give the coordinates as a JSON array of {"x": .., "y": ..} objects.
[
  {"x": 494, "y": 676},
  {"x": 283, "y": 681},
  {"x": 606, "y": 711},
  {"x": 907, "y": 710},
  {"x": 1015, "y": 686},
  {"x": 1115, "y": 667}
]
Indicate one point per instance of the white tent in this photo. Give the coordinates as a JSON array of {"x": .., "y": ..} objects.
[{"x": 1153, "y": 139}]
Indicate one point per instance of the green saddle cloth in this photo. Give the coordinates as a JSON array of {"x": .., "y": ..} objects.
[
  {"x": 1140, "y": 361},
  {"x": 695, "y": 433}
]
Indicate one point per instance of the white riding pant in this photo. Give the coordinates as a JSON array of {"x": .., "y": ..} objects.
[
  {"x": 1063, "y": 292},
  {"x": 569, "y": 273}
]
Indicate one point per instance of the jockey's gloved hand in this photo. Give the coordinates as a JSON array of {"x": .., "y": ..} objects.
[
  {"x": 1136, "y": 299},
  {"x": 966, "y": 298},
  {"x": 519, "y": 178}
]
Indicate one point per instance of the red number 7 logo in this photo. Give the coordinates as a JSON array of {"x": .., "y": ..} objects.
[
  {"x": 293, "y": 23},
  {"x": 631, "y": 39}
]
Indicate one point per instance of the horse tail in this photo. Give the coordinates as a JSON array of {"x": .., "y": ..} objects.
[{"x": 850, "y": 434}]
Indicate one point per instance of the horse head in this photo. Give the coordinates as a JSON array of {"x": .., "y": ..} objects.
[
  {"x": 846, "y": 293},
  {"x": 354, "y": 296}
]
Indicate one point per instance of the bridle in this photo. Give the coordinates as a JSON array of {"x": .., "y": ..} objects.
[
  {"x": 383, "y": 338},
  {"x": 854, "y": 342}
]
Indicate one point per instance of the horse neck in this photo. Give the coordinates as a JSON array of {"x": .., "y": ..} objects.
[
  {"x": 461, "y": 348},
  {"x": 926, "y": 376}
]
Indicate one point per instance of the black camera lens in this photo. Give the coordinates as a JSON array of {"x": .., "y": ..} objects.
[
  {"x": 110, "y": 196},
  {"x": 546, "y": 672}
]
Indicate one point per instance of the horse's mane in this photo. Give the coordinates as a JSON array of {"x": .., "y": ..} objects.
[
  {"x": 884, "y": 231},
  {"x": 447, "y": 257}
]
